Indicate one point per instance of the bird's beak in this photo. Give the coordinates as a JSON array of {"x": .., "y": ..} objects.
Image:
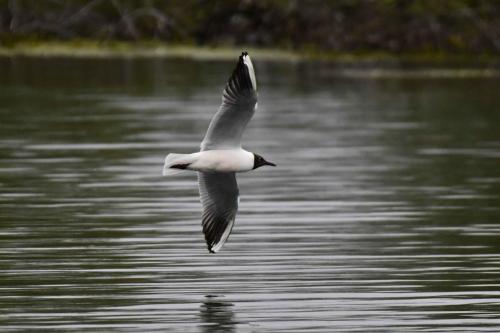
[{"x": 269, "y": 163}]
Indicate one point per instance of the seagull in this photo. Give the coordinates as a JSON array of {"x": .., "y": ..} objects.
[{"x": 221, "y": 155}]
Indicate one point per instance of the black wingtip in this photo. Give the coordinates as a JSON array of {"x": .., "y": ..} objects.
[
  {"x": 241, "y": 76},
  {"x": 243, "y": 54}
]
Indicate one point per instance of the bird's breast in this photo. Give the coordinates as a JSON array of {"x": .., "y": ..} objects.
[{"x": 223, "y": 161}]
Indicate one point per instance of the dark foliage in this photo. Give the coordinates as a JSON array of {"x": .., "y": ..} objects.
[{"x": 343, "y": 25}]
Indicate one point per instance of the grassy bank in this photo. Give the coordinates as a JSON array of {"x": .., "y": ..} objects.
[
  {"x": 361, "y": 64},
  {"x": 90, "y": 48}
]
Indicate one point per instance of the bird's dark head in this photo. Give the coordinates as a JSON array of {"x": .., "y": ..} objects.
[{"x": 259, "y": 161}]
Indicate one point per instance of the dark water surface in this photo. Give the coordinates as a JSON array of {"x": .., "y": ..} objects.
[{"x": 383, "y": 215}]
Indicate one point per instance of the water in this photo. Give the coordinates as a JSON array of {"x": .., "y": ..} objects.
[{"x": 382, "y": 216}]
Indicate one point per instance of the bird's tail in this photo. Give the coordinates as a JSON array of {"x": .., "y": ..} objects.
[{"x": 176, "y": 163}]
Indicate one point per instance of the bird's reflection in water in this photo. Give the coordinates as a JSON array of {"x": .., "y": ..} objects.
[{"x": 217, "y": 315}]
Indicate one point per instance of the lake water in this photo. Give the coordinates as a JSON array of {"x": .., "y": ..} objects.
[{"x": 383, "y": 214}]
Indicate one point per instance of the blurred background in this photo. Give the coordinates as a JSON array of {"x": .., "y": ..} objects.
[
  {"x": 383, "y": 214},
  {"x": 467, "y": 26}
]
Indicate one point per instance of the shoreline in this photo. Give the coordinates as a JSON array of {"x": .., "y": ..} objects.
[
  {"x": 142, "y": 49},
  {"x": 362, "y": 64}
]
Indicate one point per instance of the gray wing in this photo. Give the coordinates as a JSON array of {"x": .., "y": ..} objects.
[
  {"x": 238, "y": 106},
  {"x": 219, "y": 197}
]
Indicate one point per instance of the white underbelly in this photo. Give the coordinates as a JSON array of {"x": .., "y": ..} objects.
[{"x": 223, "y": 161}]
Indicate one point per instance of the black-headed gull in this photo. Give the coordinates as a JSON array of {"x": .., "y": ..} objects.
[{"x": 221, "y": 155}]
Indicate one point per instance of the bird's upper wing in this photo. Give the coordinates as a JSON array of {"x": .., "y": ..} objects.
[
  {"x": 238, "y": 106},
  {"x": 219, "y": 197}
]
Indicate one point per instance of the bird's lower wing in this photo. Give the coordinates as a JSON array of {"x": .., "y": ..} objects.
[{"x": 219, "y": 197}]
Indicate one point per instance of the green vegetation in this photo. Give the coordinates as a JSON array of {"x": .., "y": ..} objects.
[
  {"x": 93, "y": 48},
  {"x": 344, "y": 30}
]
